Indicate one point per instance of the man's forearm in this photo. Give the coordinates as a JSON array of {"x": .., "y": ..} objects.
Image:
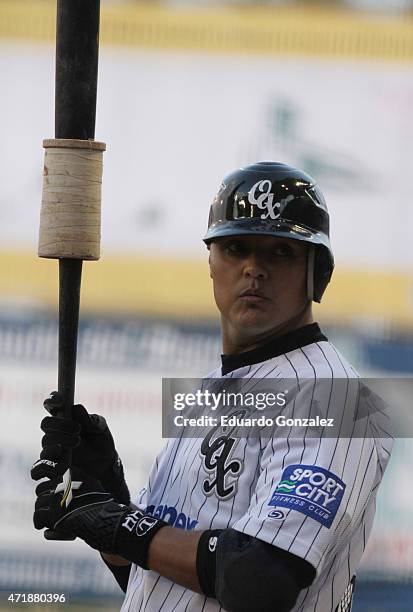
[{"x": 172, "y": 553}]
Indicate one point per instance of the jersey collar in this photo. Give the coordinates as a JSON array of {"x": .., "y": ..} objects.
[{"x": 273, "y": 348}]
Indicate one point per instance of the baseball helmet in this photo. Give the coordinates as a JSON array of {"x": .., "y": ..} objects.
[{"x": 273, "y": 199}]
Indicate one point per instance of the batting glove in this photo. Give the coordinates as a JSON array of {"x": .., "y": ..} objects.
[
  {"x": 91, "y": 442},
  {"x": 81, "y": 508}
]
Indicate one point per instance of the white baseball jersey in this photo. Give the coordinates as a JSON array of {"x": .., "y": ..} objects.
[{"x": 310, "y": 495}]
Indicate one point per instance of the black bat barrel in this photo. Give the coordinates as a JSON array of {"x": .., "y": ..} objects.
[{"x": 77, "y": 55}]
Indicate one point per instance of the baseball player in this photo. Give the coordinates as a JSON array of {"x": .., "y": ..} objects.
[{"x": 227, "y": 522}]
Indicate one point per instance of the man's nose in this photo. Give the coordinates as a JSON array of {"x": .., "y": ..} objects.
[{"x": 254, "y": 267}]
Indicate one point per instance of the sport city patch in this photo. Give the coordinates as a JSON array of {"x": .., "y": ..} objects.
[{"x": 311, "y": 490}]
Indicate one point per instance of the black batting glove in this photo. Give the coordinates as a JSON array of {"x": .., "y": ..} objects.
[
  {"x": 91, "y": 442},
  {"x": 80, "y": 508},
  {"x": 58, "y": 497}
]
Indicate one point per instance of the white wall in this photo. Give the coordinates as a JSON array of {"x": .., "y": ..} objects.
[{"x": 176, "y": 123}]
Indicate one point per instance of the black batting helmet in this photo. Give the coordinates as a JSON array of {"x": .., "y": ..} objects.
[{"x": 273, "y": 199}]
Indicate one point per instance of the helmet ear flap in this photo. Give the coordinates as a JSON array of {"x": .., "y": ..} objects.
[
  {"x": 310, "y": 272},
  {"x": 323, "y": 269}
]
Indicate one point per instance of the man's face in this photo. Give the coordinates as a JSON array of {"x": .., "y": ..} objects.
[{"x": 260, "y": 283}]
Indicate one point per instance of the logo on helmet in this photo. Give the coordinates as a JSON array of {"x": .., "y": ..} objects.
[{"x": 260, "y": 195}]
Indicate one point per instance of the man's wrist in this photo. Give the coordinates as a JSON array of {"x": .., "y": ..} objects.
[
  {"x": 113, "y": 528},
  {"x": 134, "y": 536}
]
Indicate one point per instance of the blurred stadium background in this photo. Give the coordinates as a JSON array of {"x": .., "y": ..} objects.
[{"x": 188, "y": 90}]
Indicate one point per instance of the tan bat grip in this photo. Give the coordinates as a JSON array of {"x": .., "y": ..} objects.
[{"x": 71, "y": 199}]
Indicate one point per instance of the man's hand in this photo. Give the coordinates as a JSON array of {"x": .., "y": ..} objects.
[
  {"x": 91, "y": 442},
  {"x": 83, "y": 509},
  {"x": 58, "y": 500}
]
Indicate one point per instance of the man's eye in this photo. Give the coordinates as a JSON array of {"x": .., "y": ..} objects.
[
  {"x": 234, "y": 248},
  {"x": 283, "y": 251}
]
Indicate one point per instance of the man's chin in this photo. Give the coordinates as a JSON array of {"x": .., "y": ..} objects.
[{"x": 255, "y": 324}]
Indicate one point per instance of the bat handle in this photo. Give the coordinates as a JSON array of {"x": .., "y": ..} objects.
[{"x": 70, "y": 277}]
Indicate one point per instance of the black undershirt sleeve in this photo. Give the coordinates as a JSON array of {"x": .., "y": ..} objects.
[{"x": 120, "y": 572}]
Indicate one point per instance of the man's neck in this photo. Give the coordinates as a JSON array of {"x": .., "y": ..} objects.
[{"x": 235, "y": 341}]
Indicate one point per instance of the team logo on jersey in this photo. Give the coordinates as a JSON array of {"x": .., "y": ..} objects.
[
  {"x": 260, "y": 195},
  {"x": 310, "y": 489},
  {"x": 277, "y": 514},
  {"x": 216, "y": 452}
]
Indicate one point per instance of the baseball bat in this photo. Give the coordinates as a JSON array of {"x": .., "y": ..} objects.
[{"x": 77, "y": 49}]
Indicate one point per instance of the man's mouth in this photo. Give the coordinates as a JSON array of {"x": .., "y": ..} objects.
[{"x": 253, "y": 295}]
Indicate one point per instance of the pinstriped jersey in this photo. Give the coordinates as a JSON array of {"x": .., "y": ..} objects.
[{"x": 312, "y": 496}]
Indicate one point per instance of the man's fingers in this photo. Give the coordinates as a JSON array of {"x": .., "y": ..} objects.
[
  {"x": 53, "y": 403},
  {"x": 81, "y": 416},
  {"x": 62, "y": 432},
  {"x": 44, "y": 489},
  {"x": 46, "y": 467},
  {"x": 89, "y": 423},
  {"x": 81, "y": 422},
  {"x": 57, "y": 425},
  {"x": 42, "y": 518},
  {"x": 55, "y": 453},
  {"x": 93, "y": 423},
  {"x": 45, "y": 509},
  {"x": 42, "y": 469},
  {"x": 66, "y": 442}
]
